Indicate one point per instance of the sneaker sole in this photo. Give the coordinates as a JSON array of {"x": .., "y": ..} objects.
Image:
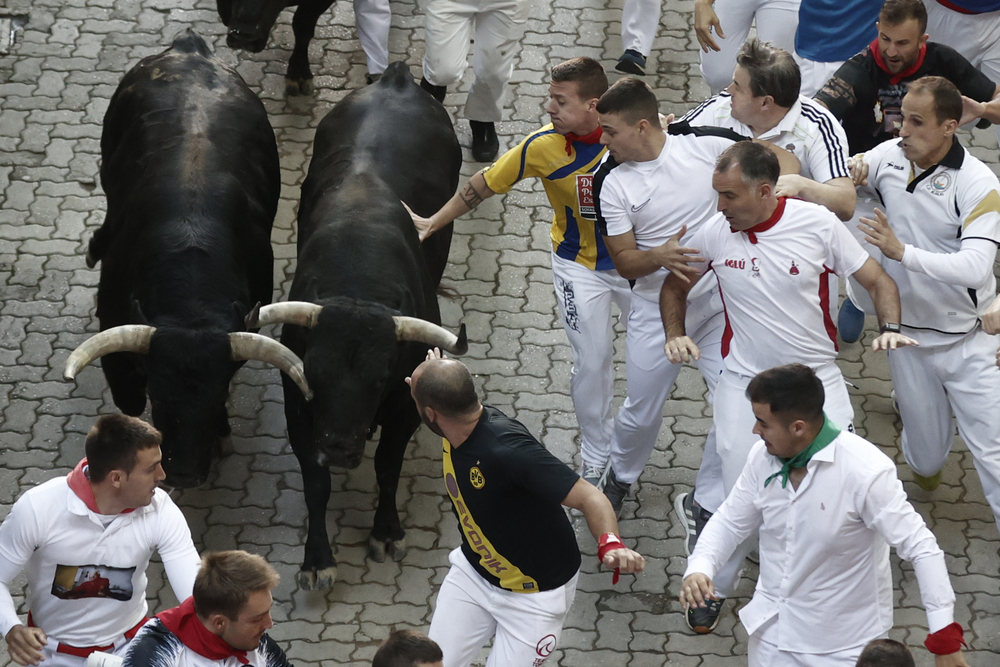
[
  {"x": 629, "y": 67},
  {"x": 688, "y": 524}
]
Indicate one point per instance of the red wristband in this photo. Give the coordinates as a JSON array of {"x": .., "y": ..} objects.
[
  {"x": 945, "y": 641},
  {"x": 609, "y": 542}
]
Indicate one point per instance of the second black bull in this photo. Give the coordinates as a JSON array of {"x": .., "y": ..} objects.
[{"x": 363, "y": 306}]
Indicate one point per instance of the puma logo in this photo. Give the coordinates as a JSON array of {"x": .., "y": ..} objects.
[{"x": 636, "y": 209}]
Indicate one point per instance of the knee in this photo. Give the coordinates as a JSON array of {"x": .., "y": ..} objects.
[{"x": 443, "y": 69}]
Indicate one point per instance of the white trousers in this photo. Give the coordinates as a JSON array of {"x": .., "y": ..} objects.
[
  {"x": 525, "y": 626},
  {"x": 960, "y": 379},
  {"x": 815, "y": 75},
  {"x": 975, "y": 36},
  {"x": 763, "y": 653},
  {"x": 776, "y": 23},
  {"x": 640, "y": 23},
  {"x": 650, "y": 377},
  {"x": 734, "y": 423},
  {"x": 373, "y": 18},
  {"x": 498, "y": 26},
  {"x": 585, "y": 297}
]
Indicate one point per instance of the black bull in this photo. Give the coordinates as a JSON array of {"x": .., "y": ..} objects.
[
  {"x": 363, "y": 306},
  {"x": 190, "y": 169},
  {"x": 250, "y": 23}
]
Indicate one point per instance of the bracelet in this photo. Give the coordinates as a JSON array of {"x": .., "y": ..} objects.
[
  {"x": 890, "y": 327},
  {"x": 945, "y": 641}
]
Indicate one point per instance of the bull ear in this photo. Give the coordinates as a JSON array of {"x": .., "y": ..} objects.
[
  {"x": 252, "y": 320},
  {"x": 225, "y": 11}
]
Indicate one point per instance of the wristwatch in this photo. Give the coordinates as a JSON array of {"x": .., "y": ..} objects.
[{"x": 889, "y": 327}]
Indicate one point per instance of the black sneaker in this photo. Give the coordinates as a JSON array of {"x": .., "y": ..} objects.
[
  {"x": 632, "y": 62},
  {"x": 704, "y": 619},
  {"x": 616, "y": 491},
  {"x": 485, "y": 144},
  {"x": 693, "y": 517},
  {"x": 595, "y": 475},
  {"x": 437, "y": 92}
]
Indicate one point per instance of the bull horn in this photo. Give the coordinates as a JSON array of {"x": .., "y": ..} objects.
[
  {"x": 245, "y": 346},
  {"x": 303, "y": 313},
  {"x": 125, "y": 338},
  {"x": 422, "y": 331}
]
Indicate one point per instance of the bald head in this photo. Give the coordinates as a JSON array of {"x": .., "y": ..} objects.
[{"x": 445, "y": 385}]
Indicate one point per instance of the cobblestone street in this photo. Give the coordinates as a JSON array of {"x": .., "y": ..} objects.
[{"x": 55, "y": 86}]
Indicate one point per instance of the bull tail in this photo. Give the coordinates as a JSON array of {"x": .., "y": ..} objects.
[
  {"x": 397, "y": 75},
  {"x": 191, "y": 42}
]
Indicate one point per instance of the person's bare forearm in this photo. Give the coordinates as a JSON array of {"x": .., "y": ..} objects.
[
  {"x": 885, "y": 296},
  {"x": 840, "y": 197},
  {"x": 468, "y": 197},
  {"x": 673, "y": 306}
]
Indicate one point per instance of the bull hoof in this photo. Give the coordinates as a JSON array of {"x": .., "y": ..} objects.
[
  {"x": 378, "y": 549},
  {"x": 294, "y": 88},
  {"x": 316, "y": 580}
]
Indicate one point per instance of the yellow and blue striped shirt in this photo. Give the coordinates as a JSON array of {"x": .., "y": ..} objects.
[{"x": 568, "y": 181}]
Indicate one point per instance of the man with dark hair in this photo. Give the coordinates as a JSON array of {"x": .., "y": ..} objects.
[
  {"x": 514, "y": 575},
  {"x": 828, "y": 505},
  {"x": 866, "y": 92},
  {"x": 885, "y": 653},
  {"x": 564, "y": 155},
  {"x": 938, "y": 240},
  {"x": 224, "y": 622},
  {"x": 101, "y": 523},
  {"x": 652, "y": 192},
  {"x": 763, "y": 101},
  {"x": 407, "y": 648},
  {"x": 772, "y": 258}
]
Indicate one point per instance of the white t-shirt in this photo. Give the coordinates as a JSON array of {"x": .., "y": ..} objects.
[
  {"x": 775, "y": 286},
  {"x": 654, "y": 200},
  {"x": 808, "y": 130},
  {"x": 87, "y": 583},
  {"x": 955, "y": 201}
]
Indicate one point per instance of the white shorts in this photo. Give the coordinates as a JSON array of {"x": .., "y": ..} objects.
[{"x": 469, "y": 611}]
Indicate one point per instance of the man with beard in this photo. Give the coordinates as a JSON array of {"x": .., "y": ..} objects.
[{"x": 514, "y": 576}]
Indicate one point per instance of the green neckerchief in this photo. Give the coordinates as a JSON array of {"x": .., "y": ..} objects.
[{"x": 826, "y": 435}]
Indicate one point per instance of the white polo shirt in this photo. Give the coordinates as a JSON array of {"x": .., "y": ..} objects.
[
  {"x": 824, "y": 561},
  {"x": 775, "y": 284},
  {"x": 59, "y": 542},
  {"x": 654, "y": 200},
  {"x": 954, "y": 201},
  {"x": 808, "y": 130}
]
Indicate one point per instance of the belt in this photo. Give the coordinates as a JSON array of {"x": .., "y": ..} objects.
[{"x": 85, "y": 651}]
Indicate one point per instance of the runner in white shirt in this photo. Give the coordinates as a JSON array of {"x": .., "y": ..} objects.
[
  {"x": 84, "y": 542},
  {"x": 828, "y": 505},
  {"x": 653, "y": 191},
  {"x": 939, "y": 244},
  {"x": 763, "y": 102},
  {"x": 772, "y": 258}
]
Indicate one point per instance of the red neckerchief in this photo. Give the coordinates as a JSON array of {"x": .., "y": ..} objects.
[
  {"x": 896, "y": 78},
  {"x": 79, "y": 483},
  {"x": 766, "y": 225},
  {"x": 183, "y": 622},
  {"x": 592, "y": 138}
]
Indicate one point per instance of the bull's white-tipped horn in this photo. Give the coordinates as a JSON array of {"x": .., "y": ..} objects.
[
  {"x": 125, "y": 338},
  {"x": 245, "y": 346},
  {"x": 303, "y": 313},
  {"x": 422, "y": 331}
]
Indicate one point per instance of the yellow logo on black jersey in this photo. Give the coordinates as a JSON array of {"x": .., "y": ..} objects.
[{"x": 476, "y": 478}]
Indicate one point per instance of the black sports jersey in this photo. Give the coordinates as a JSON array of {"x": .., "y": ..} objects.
[
  {"x": 507, "y": 490},
  {"x": 867, "y": 98}
]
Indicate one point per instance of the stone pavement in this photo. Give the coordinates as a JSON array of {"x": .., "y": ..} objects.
[{"x": 54, "y": 89}]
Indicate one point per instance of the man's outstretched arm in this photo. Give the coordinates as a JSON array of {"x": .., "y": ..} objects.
[{"x": 468, "y": 197}]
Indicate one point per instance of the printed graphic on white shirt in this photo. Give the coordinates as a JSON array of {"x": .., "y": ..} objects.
[{"x": 73, "y": 582}]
